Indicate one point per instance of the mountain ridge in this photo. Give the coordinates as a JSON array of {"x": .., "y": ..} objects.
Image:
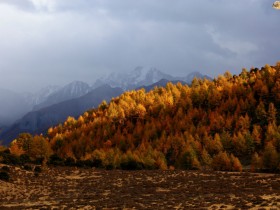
[
  {"x": 72, "y": 90},
  {"x": 38, "y": 121},
  {"x": 146, "y": 77},
  {"x": 224, "y": 124},
  {"x": 143, "y": 76}
]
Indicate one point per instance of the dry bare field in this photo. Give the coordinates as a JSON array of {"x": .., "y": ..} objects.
[{"x": 78, "y": 188}]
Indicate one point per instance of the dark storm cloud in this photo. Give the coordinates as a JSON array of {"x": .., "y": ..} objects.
[{"x": 57, "y": 41}]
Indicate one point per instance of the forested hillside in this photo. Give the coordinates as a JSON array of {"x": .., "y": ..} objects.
[{"x": 217, "y": 124}]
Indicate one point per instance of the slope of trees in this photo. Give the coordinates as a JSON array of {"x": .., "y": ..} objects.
[{"x": 220, "y": 124}]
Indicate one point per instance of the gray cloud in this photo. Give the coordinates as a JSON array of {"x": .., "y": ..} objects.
[
  {"x": 18, "y": 3},
  {"x": 54, "y": 42}
]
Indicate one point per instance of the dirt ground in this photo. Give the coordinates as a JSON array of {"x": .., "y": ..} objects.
[{"x": 77, "y": 188}]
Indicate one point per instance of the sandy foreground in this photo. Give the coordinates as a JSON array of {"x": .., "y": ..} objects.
[{"x": 78, "y": 188}]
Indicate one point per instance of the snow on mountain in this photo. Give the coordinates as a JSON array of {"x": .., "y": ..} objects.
[
  {"x": 138, "y": 77},
  {"x": 44, "y": 93},
  {"x": 13, "y": 105},
  {"x": 188, "y": 79},
  {"x": 38, "y": 121},
  {"x": 72, "y": 90},
  {"x": 142, "y": 76}
]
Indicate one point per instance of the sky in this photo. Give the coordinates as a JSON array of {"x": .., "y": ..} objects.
[{"x": 54, "y": 42}]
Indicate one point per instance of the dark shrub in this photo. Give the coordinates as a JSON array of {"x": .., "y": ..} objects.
[
  {"x": 70, "y": 161},
  {"x": 37, "y": 169},
  {"x": 80, "y": 163},
  {"x": 131, "y": 165},
  {"x": 84, "y": 163},
  {"x": 109, "y": 167},
  {"x": 10, "y": 159},
  {"x": 24, "y": 158},
  {"x": 7, "y": 151},
  {"x": 97, "y": 163},
  {"x": 88, "y": 163},
  {"x": 147, "y": 166},
  {"x": 39, "y": 161},
  {"x": 5, "y": 168},
  {"x": 56, "y": 160},
  {"x": 4, "y": 176},
  {"x": 27, "y": 167}
]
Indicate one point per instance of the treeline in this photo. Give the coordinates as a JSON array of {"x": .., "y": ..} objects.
[{"x": 229, "y": 123}]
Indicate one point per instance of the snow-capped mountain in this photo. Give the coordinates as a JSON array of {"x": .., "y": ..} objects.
[
  {"x": 189, "y": 78},
  {"x": 14, "y": 105},
  {"x": 44, "y": 93},
  {"x": 52, "y": 104},
  {"x": 142, "y": 76},
  {"x": 138, "y": 77},
  {"x": 72, "y": 90},
  {"x": 39, "y": 121},
  {"x": 33, "y": 99}
]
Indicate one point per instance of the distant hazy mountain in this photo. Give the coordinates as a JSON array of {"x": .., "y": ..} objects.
[
  {"x": 12, "y": 106},
  {"x": 44, "y": 93},
  {"x": 53, "y": 104},
  {"x": 53, "y": 96},
  {"x": 40, "y": 120},
  {"x": 161, "y": 83},
  {"x": 188, "y": 79},
  {"x": 142, "y": 76}
]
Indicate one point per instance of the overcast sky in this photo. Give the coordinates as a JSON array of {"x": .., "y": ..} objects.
[{"x": 46, "y": 42}]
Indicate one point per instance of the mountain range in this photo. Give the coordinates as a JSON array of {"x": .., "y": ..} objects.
[
  {"x": 34, "y": 113},
  {"x": 142, "y": 76},
  {"x": 39, "y": 121},
  {"x": 73, "y": 90}
]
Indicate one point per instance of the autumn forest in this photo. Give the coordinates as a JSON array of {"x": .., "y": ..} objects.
[{"x": 231, "y": 123}]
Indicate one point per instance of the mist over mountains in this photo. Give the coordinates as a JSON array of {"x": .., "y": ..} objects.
[
  {"x": 34, "y": 113},
  {"x": 72, "y": 90},
  {"x": 142, "y": 76},
  {"x": 12, "y": 106},
  {"x": 39, "y": 121}
]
